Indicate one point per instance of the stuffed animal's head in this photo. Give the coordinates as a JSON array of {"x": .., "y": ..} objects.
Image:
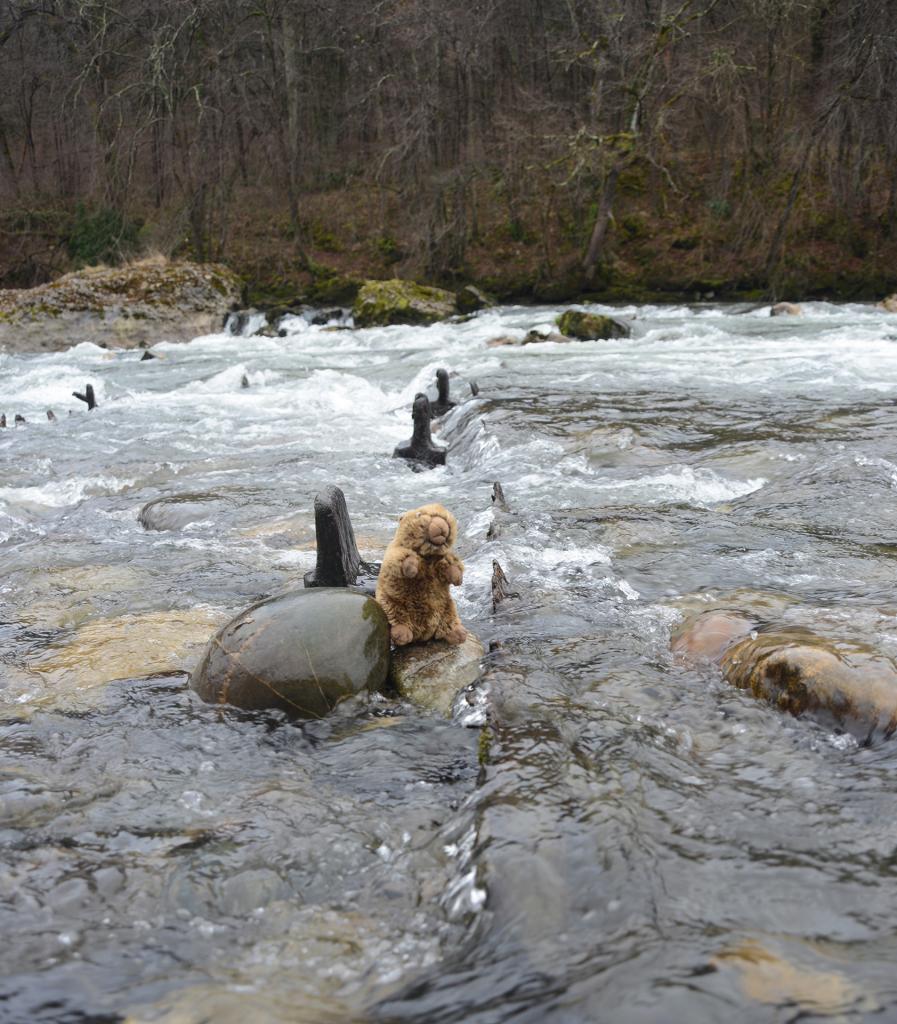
[{"x": 428, "y": 530}]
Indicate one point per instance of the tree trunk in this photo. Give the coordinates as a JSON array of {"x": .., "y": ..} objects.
[{"x": 605, "y": 208}]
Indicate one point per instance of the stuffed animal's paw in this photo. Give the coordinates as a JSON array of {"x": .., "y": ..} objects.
[
  {"x": 457, "y": 635},
  {"x": 401, "y": 635},
  {"x": 454, "y": 575},
  {"x": 411, "y": 567}
]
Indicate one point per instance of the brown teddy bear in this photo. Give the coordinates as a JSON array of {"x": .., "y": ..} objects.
[{"x": 418, "y": 568}]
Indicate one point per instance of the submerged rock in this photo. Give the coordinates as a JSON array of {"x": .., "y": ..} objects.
[
  {"x": 431, "y": 674},
  {"x": 786, "y": 309},
  {"x": 847, "y": 686},
  {"x": 303, "y": 652},
  {"x": 122, "y": 307},
  {"x": 769, "y": 977},
  {"x": 591, "y": 326},
  {"x": 124, "y": 647},
  {"x": 176, "y": 511},
  {"x": 380, "y": 303}
]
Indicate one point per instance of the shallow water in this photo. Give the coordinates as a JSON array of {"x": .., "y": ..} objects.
[{"x": 644, "y": 843}]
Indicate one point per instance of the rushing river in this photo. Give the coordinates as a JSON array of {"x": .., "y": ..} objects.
[{"x": 643, "y": 843}]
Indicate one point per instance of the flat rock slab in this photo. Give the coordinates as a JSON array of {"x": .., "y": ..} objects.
[
  {"x": 302, "y": 651},
  {"x": 431, "y": 674}
]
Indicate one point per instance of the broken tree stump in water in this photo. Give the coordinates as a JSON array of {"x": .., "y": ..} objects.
[
  {"x": 443, "y": 403},
  {"x": 420, "y": 448},
  {"x": 498, "y": 496},
  {"x": 500, "y": 591},
  {"x": 88, "y": 396},
  {"x": 338, "y": 562}
]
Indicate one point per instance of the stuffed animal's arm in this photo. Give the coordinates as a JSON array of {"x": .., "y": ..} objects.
[
  {"x": 451, "y": 568},
  {"x": 404, "y": 562}
]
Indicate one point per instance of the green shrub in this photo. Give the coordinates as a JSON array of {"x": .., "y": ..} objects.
[{"x": 101, "y": 236}]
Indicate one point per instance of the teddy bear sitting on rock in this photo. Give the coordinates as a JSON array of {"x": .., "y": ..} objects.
[{"x": 418, "y": 569}]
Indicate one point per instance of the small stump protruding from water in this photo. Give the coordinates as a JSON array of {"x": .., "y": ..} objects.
[
  {"x": 20, "y": 420},
  {"x": 88, "y": 396},
  {"x": 443, "y": 403},
  {"x": 51, "y": 416},
  {"x": 338, "y": 562},
  {"x": 498, "y": 497},
  {"x": 420, "y": 448},
  {"x": 500, "y": 589},
  {"x": 3, "y": 420},
  {"x": 474, "y": 388}
]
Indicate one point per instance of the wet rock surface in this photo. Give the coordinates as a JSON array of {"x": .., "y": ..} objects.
[
  {"x": 381, "y": 303},
  {"x": 431, "y": 674},
  {"x": 176, "y": 511},
  {"x": 591, "y": 326},
  {"x": 846, "y": 686},
  {"x": 302, "y": 652},
  {"x": 118, "y": 307}
]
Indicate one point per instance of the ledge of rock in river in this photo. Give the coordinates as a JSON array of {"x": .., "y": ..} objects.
[
  {"x": 302, "y": 651},
  {"x": 71, "y": 675},
  {"x": 119, "y": 307},
  {"x": 850, "y": 687},
  {"x": 431, "y": 674}
]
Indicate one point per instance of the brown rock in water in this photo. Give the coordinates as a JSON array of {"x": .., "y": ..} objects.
[
  {"x": 889, "y": 304},
  {"x": 786, "y": 309},
  {"x": 707, "y": 635},
  {"x": 431, "y": 674},
  {"x": 798, "y": 671}
]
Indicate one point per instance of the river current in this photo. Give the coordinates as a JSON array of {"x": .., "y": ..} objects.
[{"x": 636, "y": 842}]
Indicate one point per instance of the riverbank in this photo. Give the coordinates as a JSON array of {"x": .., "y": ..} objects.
[{"x": 685, "y": 248}]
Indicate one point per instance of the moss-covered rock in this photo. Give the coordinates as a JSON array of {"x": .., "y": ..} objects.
[
  {"x": 591, "y": 326},
  {"x": 381, "y": 303},
  {"x": 122, "y": 307}
]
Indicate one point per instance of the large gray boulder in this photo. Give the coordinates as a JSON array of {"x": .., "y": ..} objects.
[
  {"x": 302, "y": 651},
  {"x": 119, "y": 307},
  {"x": 431, "y": 674}
]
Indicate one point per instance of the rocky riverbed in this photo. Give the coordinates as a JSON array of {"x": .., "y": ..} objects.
[{"x": 597, "y": 828}]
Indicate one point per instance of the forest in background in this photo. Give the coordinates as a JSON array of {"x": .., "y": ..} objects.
[{"x": 540, "y": 148}]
